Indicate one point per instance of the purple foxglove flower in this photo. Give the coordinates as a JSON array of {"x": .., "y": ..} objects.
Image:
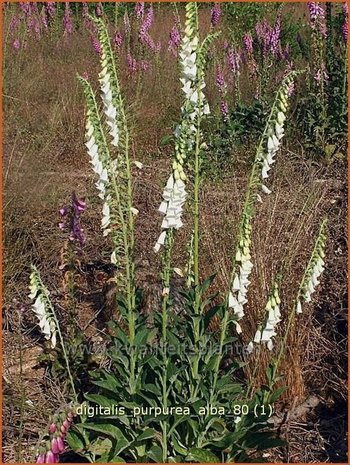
[
  {"x": 224, "y": 108},
  {"x": 14, "y": 23},
  {"x": 50, "y": 9},
  {"x": 73, "y": 222},
  {"x": 16, "y": 44},
  {"x": 263, "y": 32},
  {"x": 234, "y": 60},
  {"x": 215, "y": 14},
  {"x": 174, "y": 38},
  {"x": 60, "y": 444},
  {"x": 275, "y": 36},
  {"x": 26, "y": 7},
  {"x": 345, "y": 26},
  {"x": 66, "y": 424},
  {"x": 140, "y": 9},
  {"x": 52, "y": 428},
  {"x": 315, "y": 11},
  {"x": 54, "y": 446},
  {"x": 63, "y": 431},
  {"x": 220, "y": 80},
  {"x": 118, "y": 39},
  {"x": 51, "y": 457},
  {"x": 321, "y": 74},
  {"x": 248, "y": 42},
  {"x": 96, "y": 45},
  {"x": 85, "y": 75},
  {"x": 317, "y": 18},
  {"x": 132, "y": 63},
  {"x": 99, "y": 10},
  {"x": 67, "y": 20},
  {"x": 41, "y": 458}
]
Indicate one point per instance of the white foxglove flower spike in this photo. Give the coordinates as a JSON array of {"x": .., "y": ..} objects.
[
  {"x": 42, "y": 307},
  {"x": 313, "y": 271},
  {"x": 267, "y": 330}
]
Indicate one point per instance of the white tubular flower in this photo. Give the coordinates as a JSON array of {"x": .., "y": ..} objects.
[
  {"x": 268, "y": 331},
  {"x": 174, "y": 196},
  {"x": 107, "y": 99},
  {"x": 239, "y": 288},
  {"x": 274, "y": 131},
  {"x": 41, "y": 307},
  {"x": 160, "y": 241},
  {"x": 100, "y": 170},
  {"x": 313, "y": 271},
  {"x": 106, "y": 218}
]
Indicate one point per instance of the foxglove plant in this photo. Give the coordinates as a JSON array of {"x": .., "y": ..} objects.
[
  {"x": 268, "y": 329},
  {"x": 54, "y": 438},
  {"x": 42, "y": 307},
  {"x": 265, "y": 156},
  {"x": 307, "y": 286},
  {"x": 70, "y": 219},
  {"x": 215, "y": 14},
  {"x": 221, "y": 84},
  {"x": 114, "y": 174},
  {"x": 67, "y": 19},
  {"x": 345, "y": 25},
  {"x": 313, "y": 271},
  {"x": 48, "y": 321},
  {"x": 174, "y": 37}
]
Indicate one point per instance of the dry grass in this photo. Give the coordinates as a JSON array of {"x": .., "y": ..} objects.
[{"x": 44, "y": 160}]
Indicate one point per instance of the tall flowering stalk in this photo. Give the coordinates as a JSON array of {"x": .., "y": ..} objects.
[
  {"x": 48, "y": 321},
  {"x": 215, "y": 14},
  {"x": 307, "y": 287},
  {"x": 187, "y": 144},
  {"x": 265, "y": 157},
  {"x": 318, "y": 67},
  {"x": 221, "y": 85},
  {"x": 268, "y": 329},
  {"x": 114, "y": 172},
  {"x": 242, "y": 261},
  {"x": 55, "y": 437},
  {"x": 174, "y": 37},
  {"x": 67, "y": 19}
]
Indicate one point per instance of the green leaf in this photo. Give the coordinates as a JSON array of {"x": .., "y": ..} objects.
[
  {"x": 147, "y": 434},
  {"x": 202, "y": 456},
  {"x": 75, "y": 440},
  {"x": 100, "y": 446},
  {"x": 101, "y": 400},
  {"x": 207, "y": 282},
  {"x": 156, "y": 454},
  {"x": 166, "y": 140},
  {"x": 109, "y": 430},
  {"x": 276, "y": 394}
]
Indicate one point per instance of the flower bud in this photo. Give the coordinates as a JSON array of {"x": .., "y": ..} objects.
[
  {"x": 66, "y": 424},
  {"x": 41, "y": 458},
  {"x": 52, "y": 428}
]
